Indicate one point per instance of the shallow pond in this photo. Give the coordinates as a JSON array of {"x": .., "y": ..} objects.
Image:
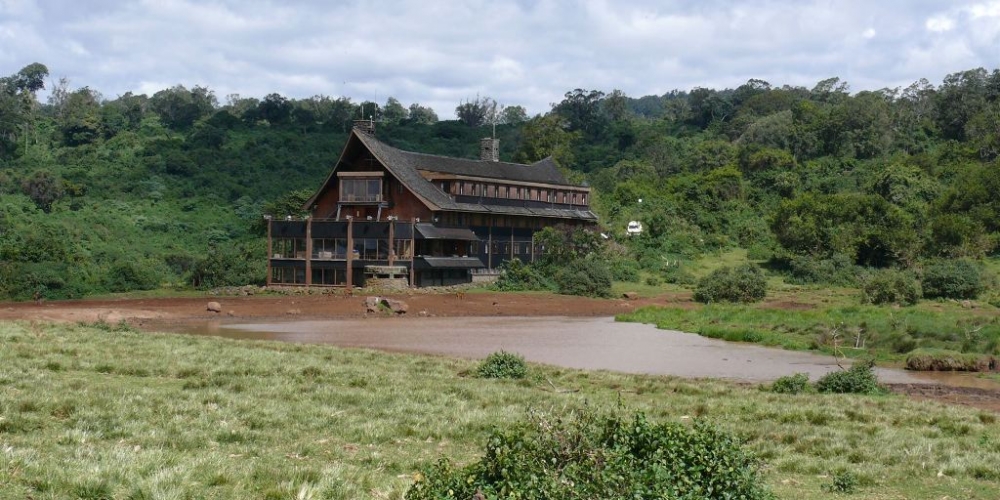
[{"x": 585, "y": 343}]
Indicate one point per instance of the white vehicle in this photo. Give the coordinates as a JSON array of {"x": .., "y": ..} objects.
[{"x": 634, "y": 227}]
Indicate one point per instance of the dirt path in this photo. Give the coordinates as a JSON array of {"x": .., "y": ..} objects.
[
  {"x": 335, "y": 306},
  {"x": 150, "y": 313}
]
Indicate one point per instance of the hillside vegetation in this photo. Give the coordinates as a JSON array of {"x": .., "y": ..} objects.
[{"x": 135, "y": 192}]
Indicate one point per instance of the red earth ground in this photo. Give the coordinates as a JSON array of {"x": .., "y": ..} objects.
[{"x": 152, "y": 311}]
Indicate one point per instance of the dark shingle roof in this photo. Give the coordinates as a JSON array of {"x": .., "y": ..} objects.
[{"x": 406, "y": 166}]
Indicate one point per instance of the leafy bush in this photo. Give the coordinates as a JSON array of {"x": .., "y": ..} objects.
[
  {"x": 502, "y": 364},
  {"x": 127, "y": 276},
  {"x": 516, "y": 276},
  {"x": 584, "y": 455},
  {"x": 732, "y": 284},
  {"x": 586, "y": 277},
  {"x": 843, "y": 482},
  {"x": 858, "y": 379},
  {"x": 624, "y": 269},
  {"x": 890, "y": 286},
  {"x": 835, "y": 270},
  {"x": 952, "y": 279},
  {"x": 791, "y": 384}
]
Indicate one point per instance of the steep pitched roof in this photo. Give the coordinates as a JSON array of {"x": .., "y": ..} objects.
[{"x": 406, "y": 166}]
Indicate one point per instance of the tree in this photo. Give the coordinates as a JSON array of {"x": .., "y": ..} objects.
[
  {"x": 275, "y": 109},
  {"x": 422, "y": 115},
  {"x": 545, "y": 136},
  {"x": 44, "y": 189},
  {"x": 79, "y": 118},
  {"x": 475, "y": 113},
  {"x": 582, "y": 111},
  {"x": 513, "y": 115},
  {"x": 18, "y": 105},
  {"x": 394, "y": 112},
  {"x": 179, "y": 107}
]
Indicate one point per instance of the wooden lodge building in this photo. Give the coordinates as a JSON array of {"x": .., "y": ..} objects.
[{"x": 426, "y": 219}]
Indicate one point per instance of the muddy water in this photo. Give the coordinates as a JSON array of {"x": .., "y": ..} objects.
[{"x": 586, "y": 343}]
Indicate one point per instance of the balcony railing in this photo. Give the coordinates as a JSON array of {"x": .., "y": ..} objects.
[{"x": 361, "y": 198}]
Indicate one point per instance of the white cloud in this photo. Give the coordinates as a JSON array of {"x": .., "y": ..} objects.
[
  {"x": 940, "y": 23},
  {"x": 526, "y": 52}
]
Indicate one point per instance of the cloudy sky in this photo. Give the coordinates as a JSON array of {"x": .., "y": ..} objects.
[{"x": 524, "y": 52}]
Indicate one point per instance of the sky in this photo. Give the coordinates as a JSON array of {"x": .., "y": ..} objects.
[{"x": 519, "y": 52}]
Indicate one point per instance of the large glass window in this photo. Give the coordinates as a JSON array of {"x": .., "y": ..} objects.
[
  {"x": 361, "y": 190},
  {"x": 328, "y": 276},
  {"x": 288, "y": 248},
  {"x": 371, "y": 249},
  {"x": 329, "y": 248},
  {"x": 288, "y": 275}
]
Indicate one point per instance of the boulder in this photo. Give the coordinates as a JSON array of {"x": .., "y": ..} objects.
[
  {"x": 630, "y": 295},
  {"x": 214, "y": 307},
  {"x": 396, "y": 306},
  {"x": 371, "y": 304}
]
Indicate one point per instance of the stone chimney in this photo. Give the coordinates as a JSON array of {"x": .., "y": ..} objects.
[
  {"x": 365, "y": 127},
  {"x": 489, "y": 149}
]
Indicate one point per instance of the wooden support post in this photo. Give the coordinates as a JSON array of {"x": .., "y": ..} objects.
[
  {"x": 392, "y": 244},
  {"x": 350, "y": 253},
  {"x": 532, "y": 248},
  {"x": 309, "y": 251},
  {"x": 489, "y": 248},
  {"x": 413, "y": 250},
  {"x": 511, "y": 242},
  {"x": 270, "y": 252}
]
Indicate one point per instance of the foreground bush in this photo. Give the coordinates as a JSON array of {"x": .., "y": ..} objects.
[
  {"x": 791, "y": 384},
  {"x": 858, "y": 379},
  {"x": 591, "y": 456},
  {"x": 732, "y": 284},
  {"x": 502, "y": 364},
  {"x": 952, "y": 279},
  {"x": 889, "y": 286}
]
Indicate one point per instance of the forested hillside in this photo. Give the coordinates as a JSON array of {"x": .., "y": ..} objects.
[{"x": 101, "y": 194}]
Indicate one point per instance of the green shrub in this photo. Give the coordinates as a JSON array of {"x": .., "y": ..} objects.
[
  {"x": 516, "y": 276},
  {"x": 732, "y": 284},
  {"x": 836, "y": 270},
  {"x": 624, "y": 269},
  {"x": 890, "y": 286},
  {"x": 586, "y": 277},
  {"x": 129, "y": 275},
  {"x": 858, "y": 379},
  {"x": 791, "y": 384},
  {"x": 502, "y": 364},
  {"x": 843, "y": 482},
  {"x": 952, "y": 279},
  {"x": 584, "y": 455}
]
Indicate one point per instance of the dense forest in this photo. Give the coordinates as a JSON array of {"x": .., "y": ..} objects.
[{"x": 138, "y": 192}]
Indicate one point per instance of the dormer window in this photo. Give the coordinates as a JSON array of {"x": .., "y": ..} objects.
[{"x": 360, "y": 187}]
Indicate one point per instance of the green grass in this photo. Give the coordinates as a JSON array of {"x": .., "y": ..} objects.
[{"x": 103, "y": 412}]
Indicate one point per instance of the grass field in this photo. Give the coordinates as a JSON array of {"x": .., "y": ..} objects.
[{"x": 101, "y": 412}]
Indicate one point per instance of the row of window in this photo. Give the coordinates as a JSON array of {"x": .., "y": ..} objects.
[
  {"x": 336, "y": 248},
  {"x": 469, "y": 188},
  {"x": 297, "y": 276},
  {"x": 378, "y": 249}
]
